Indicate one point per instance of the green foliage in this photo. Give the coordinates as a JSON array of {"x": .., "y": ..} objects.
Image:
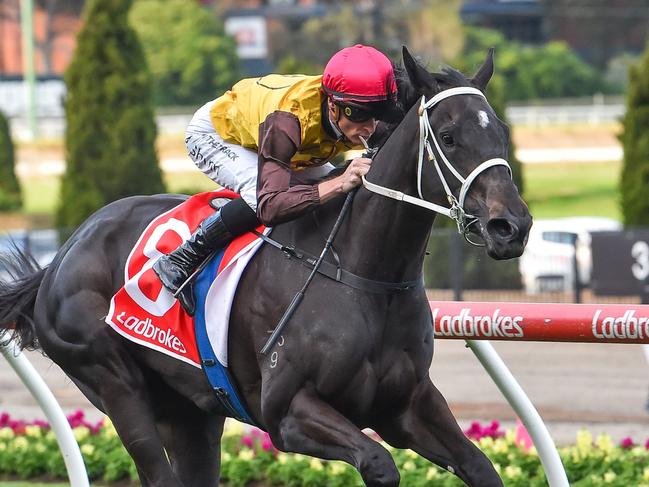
[
  {"x": 449, "y": 256},
  {"x": 249, "y": 459},
  {"x": 318, "y": 39},
  {"x": 496, "y": 90},
  {"x": 551, "y": 70},
  {"x": 431, "y": 28},
  {"x": 635, "y": 141},
  {"x": 191, "y": 58},
  {"x": 292, "y": 65},
  {"x": 110, "y": 133},
  {"x": 10, "y": 196}
]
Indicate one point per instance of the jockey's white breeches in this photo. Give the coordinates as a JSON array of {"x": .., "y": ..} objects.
[{"x": 229, "y": 165}]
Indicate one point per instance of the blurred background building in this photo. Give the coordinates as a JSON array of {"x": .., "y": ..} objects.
[{"x": 597, "y": 30}]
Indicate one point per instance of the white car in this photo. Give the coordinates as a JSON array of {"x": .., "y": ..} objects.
[{"x": 547, "y": 263}]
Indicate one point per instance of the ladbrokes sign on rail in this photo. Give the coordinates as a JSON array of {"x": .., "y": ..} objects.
[
  {"x": 627, "y": 326},
  {"x": 542, "y": 322},
  {"x": 466, "y": 324}
]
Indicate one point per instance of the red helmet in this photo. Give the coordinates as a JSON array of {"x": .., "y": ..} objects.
[{"x": 359, "y": 74}]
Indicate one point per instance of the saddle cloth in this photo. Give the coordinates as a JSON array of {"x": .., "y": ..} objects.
[{"x": 146, "y": 313}]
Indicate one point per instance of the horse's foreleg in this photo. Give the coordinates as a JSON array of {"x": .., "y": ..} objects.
[
  {"x": 429, "y": 428},
  {"x": 314, "y": 428}
]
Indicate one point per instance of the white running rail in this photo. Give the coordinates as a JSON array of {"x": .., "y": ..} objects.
[
  {"x": 39, "y": 390},
  {"x": 514, "y": 393}
]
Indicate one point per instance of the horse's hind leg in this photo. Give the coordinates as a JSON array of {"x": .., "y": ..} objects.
[
  {"x": 430, "y": 429},
  {"x": 312, "y": 427},
  {"x": 192, "y": 439},
  {"x": 126, "y": 401},
  {"x": 117, "y": 382}
]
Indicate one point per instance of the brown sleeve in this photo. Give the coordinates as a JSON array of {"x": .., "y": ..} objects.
[{"x": 277, "y": 200}]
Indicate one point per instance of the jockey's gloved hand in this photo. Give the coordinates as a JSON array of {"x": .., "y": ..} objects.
[{"x": 352, "y": 177}]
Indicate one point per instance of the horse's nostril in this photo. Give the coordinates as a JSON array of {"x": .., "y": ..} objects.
[{"x": 502, "y": 229}]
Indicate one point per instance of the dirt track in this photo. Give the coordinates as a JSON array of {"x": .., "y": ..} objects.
[{"x": 601, "y": 387}]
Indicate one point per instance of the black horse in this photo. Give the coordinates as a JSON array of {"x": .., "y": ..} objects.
[{"x": 350, "y": 358}]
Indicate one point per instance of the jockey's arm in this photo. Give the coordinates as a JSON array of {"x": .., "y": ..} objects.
[{"x": 279, "y": 201}]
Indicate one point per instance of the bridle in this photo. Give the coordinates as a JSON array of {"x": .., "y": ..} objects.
[{"x": 456, "y": 210}]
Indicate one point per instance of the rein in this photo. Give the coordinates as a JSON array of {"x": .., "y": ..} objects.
[
  {"x": 338, "y": 274},
  {"x": 456, "y": 210}
]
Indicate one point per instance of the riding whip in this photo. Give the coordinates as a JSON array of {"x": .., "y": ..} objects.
[{"x": 297, "y": 299}]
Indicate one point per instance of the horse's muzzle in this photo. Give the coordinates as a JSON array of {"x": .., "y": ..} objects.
[{"x": 505, "y": 238}]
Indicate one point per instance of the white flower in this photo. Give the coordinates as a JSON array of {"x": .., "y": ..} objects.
[
  {"x": 316, "y": 464},
  {"x": 81, "y": 433},
  {"x": 409, "y": 465},
  {"x": 6, "y": 433},
  {"x": 336, "y": 468},
  {"x": 246, "y": 455},
  {"x": 20, "y": 443},
  {"x": 584, "y": 440},
  {"x": 87, "y": 449},
  {"x": 645, "y": 473},
  {"x": 605, "y": 443},
  {"x": 432, "y": 473},
  {"x": 513, "y": 471},
  {"x": 33, "y": 431}
]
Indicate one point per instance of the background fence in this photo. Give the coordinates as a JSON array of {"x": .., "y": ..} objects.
[{"x": 455, "y": 270}]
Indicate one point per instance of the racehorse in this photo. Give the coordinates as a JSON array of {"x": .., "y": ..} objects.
[{"x": 352, "y": 357}]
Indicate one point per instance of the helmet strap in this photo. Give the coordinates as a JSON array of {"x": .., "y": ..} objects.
[{"x": 334, "y": 123}]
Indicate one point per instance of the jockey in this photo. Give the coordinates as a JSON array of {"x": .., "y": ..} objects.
[{"x": 270, "y": 139}]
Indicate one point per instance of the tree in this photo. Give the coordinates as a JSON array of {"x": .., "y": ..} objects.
[
  {"x": 478, "y": 41},
  {"x": 551, "y": 70},
  {"x": 191, "y": 58},
  {"x": 431, "y": 28},
  {"x": 10, "y": 196},
  {"x": 110, "y": 133},
  {"x": 434, "y": 28},
  {"x": 598, "y": 29},
  {"x": 635, "y": 141}
]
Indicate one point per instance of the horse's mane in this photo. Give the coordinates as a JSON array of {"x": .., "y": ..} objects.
[{"x": 407, "y": 95}]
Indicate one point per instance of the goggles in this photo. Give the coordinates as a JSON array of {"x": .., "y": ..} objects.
[{"x": 357, "y": 114}]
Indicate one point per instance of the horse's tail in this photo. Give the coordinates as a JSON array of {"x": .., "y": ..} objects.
[{"x": 18, "y": 296}]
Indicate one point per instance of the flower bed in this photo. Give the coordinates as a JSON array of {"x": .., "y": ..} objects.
[{"x": 30, "y": 449}]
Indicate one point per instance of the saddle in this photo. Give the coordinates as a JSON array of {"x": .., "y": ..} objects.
[{"x": 144, "y": 312}]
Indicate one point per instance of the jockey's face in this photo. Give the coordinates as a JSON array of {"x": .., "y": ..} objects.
[{"x": 353, "y": 131}]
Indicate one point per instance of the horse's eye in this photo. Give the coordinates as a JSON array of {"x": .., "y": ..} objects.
[{"x": 447, "y": 139}]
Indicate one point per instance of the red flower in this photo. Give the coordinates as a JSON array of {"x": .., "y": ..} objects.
[{"x": 627, "y": 443}]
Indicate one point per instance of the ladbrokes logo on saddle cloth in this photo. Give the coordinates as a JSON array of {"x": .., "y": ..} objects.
[{"x": 146, "y": 313}]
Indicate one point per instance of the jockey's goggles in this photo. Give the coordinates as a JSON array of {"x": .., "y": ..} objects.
[{"x": 358, "y": 113}]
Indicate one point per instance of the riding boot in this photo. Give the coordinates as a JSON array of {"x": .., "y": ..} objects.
[{"x": 214, "y": 233}]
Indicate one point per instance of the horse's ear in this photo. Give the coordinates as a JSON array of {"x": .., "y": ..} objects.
[
  {"x": 486, "y": 71},
  {"x": 419, "y": 77}
]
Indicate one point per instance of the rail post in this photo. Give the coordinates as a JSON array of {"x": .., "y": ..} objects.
[
  {"x": 39, "y": 390},
  {"x": 515, "y": 395}
]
